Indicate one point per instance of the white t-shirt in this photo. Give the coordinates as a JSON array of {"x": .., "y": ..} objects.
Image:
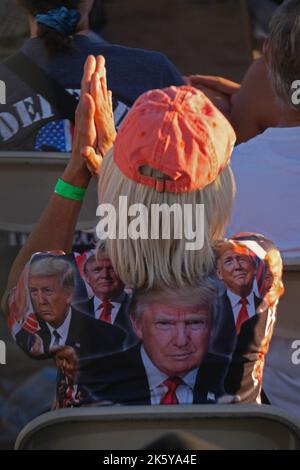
[
  {"x": 267, "y": 172},
  {"x": 281, "y": 379}
]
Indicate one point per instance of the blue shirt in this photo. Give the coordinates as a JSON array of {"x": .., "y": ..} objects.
[{"x": 28, "y": 122}]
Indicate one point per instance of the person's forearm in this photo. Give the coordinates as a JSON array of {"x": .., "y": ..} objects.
[{"x": 56, "y": 227}]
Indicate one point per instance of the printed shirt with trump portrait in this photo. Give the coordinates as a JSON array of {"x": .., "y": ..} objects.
[{"x": 234, "y": 359}]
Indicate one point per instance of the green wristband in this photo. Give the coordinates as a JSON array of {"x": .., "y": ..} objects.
[{"x": 70, "y": 192}]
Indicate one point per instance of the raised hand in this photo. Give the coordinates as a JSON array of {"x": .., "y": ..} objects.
[
  {"x": 103, "y": 118},
  {"x": 219, "y": 90},
  {"x": 76, "y": 172}
]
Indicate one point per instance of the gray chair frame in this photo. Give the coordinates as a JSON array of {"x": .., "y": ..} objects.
[{"x": 132, "y": 428}]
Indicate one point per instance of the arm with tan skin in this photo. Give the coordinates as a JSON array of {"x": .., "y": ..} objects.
[
  {"x": 94, "y": 135},
  {"x": 254, "y": 106},
  {"x": 218, "y": 89},
  {"x": 250, "y": 107}
]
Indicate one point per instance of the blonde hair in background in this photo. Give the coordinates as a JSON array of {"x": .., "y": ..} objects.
[{"x": 151, "y": 263}]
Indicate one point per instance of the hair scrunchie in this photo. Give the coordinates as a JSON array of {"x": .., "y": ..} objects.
[{"x": 62, "y": 19}]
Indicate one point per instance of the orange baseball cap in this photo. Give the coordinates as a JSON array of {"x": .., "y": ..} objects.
[{"x": 178, "y": 131}]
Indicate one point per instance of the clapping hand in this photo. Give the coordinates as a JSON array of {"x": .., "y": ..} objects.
[{"x": 95, "y": 129}]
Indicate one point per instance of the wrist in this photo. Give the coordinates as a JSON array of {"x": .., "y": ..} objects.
[
  {"x": 69, "y": 191},
  {"x": 77, "y": 176}
]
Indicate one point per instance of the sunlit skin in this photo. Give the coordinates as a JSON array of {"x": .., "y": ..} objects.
[
  {"x": 50, "y": 300},
  {"x": 175, "y": 339},
  {"x": 237, "y": 271},
  {"x": 102, "y": 279}
]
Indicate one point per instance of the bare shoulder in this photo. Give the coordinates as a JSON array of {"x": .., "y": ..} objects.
[{"x": 254, "y": 107}]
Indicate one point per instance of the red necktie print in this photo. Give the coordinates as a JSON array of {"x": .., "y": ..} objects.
[
  {"x": 170, "y": 397},
  {"x": 106, "y": 311},
  {"x": 242, "y": 316}
]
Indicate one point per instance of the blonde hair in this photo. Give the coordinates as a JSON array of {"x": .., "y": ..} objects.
[{"x": 161, "y": 263}]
